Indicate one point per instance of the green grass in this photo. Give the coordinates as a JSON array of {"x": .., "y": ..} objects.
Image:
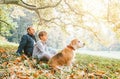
[
  {"x": 88, "y": 64},
  {"x": 110, "y": 66},
  {"x": 8, "y": 46}
]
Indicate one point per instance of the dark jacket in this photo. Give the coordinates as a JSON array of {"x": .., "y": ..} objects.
[{"x": 26, "y": 44}]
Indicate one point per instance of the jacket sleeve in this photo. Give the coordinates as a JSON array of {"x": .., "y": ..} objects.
[
  {"x": 40, "y": 47},
  {"x": 22, "y": 44},
  {"x": 42, "y": 50}
]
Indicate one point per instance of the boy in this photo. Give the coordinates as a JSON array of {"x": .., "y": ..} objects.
[{"x": 40, "y": 50}]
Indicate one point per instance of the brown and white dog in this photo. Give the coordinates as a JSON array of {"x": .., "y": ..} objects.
[{"x": 66, "y": 56}]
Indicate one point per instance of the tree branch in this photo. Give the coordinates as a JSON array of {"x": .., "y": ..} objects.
[
  {"x": 4, "y": 22},
  {"x": 79, "y": 13},
  {"x": 31, "y": 7},
  {"x": 48, "y": 20},
  {"x": 50, "y": 6},
  {"x": 27, "y": 4}
]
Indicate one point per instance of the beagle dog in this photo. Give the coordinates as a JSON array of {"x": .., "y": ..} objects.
[{"x": 66, "y": 56}]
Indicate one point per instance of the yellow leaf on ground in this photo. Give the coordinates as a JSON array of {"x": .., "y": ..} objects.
[
  {"x": 100, "y": 72},
  {"x": 4, "y": 64},
  {"x": 4, "y": 55},
  {"x": 91, "y": 75},
  {"x": 2, "y": 50},
  {"x": 23, "y": 77},
  {"x": 91, "y": 65},
  {"x": 37, "y": 73}
]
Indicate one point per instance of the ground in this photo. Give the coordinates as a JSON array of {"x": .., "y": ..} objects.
[{"x": 84, "y": 67}]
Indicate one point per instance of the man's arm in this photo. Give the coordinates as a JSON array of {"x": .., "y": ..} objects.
[{"x": 22, "y": 44}]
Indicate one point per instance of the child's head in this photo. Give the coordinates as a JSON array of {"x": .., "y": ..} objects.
[{"x": 43, "y": 35}]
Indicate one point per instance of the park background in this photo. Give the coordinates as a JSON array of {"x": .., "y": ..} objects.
[{"x": 95, "y": 22}]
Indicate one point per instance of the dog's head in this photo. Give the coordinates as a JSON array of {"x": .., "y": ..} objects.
[{"x": 75, "y": 43}]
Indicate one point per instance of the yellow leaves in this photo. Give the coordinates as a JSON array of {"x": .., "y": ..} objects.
[
  {"x": 91, "y": 75},
  {"x": 48, "y": 75},
  {"x": 2, "y": 50},
  {"x": 71, "y": 76},
  {"x": 18, "y": 59},
  {"x": 91, "y": 65},
  {"x": 19, "y": 71},
  {"x": 116, "y": 29},
  {"x": 78, "y": 75},
  {"x": 99, "y": 72},
  {"x": 25, "y": 68},
  {"x": 118, "y": 71},
  {"x": 4, "y": 55},
  {"x": 37, "y": 73},
  {"x": 24, "y": 57},
  {"x": 4, "y": 64},
  {"x": 23, "y": 77}
]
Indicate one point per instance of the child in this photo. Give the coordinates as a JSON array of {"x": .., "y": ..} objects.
[{"x": 41, "y": 50}]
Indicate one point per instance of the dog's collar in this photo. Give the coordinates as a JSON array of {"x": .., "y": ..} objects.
[{"x": 71, "y": 47}]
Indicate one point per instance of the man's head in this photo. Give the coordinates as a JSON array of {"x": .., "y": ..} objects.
[
  {"x": 43, "y": 35},
  {"x": 31, "y": 30}
]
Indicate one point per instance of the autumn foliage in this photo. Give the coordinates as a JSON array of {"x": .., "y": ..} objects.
[{"x": 85, "y": 67}]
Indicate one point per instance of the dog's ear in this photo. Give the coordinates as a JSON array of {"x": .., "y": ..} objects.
[{"x": 73, "y": 42}]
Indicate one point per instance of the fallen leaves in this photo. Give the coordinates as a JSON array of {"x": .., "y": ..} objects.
[
  {"x": 23, "y": 77},
  {"x": 77, "y": 75},
  {"x": 91, "y": 75},
  {"x": 91, "y": 65},
  {"x": 4, "y": 64},
  {"x": 37, "y": 73},
  {"x": 2, "y": 50},
  {"x": 85, "y": 67},
  {"x": 17, "y": 60},
  {"x": 22, "y": 67},
  {"x": 4, "y": 55},
  {"x": 99, "y": 72}
]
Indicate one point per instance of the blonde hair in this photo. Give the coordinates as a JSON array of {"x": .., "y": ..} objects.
[{"x": 42, "y": 33}]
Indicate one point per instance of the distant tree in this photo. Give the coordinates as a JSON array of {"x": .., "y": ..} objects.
[
  {"x": 93, "y": 17},
  {"x": 6, "y": 22}
]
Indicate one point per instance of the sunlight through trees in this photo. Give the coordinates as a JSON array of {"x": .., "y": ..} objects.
[{"x": 94, "y": 21}]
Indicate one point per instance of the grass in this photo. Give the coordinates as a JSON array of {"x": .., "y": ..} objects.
[
  {"x": 94, "y": 63},
  {"x": 85, "y": 66}
]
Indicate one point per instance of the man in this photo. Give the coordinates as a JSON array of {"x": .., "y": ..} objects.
[
  {"x": 27, "y": 42},
  {"x": 41, "y": 51}
]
